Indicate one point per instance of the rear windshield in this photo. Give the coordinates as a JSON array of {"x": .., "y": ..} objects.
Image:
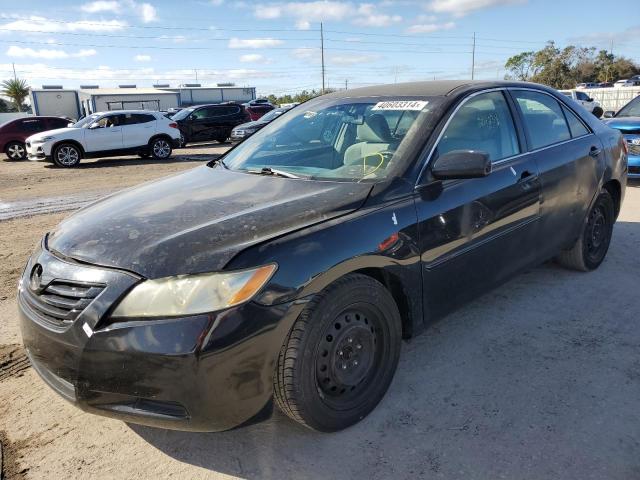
[{"x": 350, "y": 139}]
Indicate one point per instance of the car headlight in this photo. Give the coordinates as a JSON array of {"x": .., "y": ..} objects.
[
  {"x": 43, "y": 139},
  {"x": 193, "y": 294}
]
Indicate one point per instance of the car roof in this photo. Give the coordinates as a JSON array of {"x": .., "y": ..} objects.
[
  {"x": 125, "y": 111},
  {"x": 429, "y": 88}
]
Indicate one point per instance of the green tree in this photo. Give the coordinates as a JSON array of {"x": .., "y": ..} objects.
[{"x": 17, "y": 90}]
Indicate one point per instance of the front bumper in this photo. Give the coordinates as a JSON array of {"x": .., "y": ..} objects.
[
  {"x": 633, "y": 144},
  {"x": 207, "y": 372},
  {"x": 37, "y": 151},
  {"x": 239, "y": 135}
]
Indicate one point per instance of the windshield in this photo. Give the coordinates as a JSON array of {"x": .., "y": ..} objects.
[
  {"x": 182, "y": 114},
  {"x": 86, "y": 121},
  {"x": 350, "y": 139},
  {"x": 631, "y": 109},
  {"x": 267, "y": 117}
]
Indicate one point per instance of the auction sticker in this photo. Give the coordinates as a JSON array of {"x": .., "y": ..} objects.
[{"x": 401, "y": 105}]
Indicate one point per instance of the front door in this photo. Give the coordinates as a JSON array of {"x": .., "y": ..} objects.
[
  {"x": 475, "y": 233},
  {"x": 106, "y": 136}
]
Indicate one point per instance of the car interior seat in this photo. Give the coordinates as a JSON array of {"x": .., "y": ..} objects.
[{"x": 373, "y": 136}]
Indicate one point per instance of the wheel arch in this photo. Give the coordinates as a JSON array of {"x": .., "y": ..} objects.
[
  {"x": 75, "y": 143},
  {"x": 615, "y": 190},
  {"x": 161, "y": 135}
]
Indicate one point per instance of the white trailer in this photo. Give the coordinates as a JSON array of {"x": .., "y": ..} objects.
[
  {"x": 190, "y": 95},
  {"x": 55, "y": 102},
  {"x": 104, "y": 99}
]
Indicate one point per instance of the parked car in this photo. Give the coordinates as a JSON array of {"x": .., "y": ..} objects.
[
  {"x": 587, "y": 85},
  {"x": 585, "y": 100},
  {"x": 292, "y": 267},
  {"x": 627, "y": 120},
  {"x": 626, "y": 83},
  {"x": 209, "y": 122},
  {"x": 605, "y": 85},
  {"x": 14, "y": 133},
  {"x": 245, "y": 130},
  {"x": 257, "y": 108},
  {"x": 106, "y": 134}
]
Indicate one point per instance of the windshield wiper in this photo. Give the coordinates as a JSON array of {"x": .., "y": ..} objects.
[{"x": 274, "y": 171}]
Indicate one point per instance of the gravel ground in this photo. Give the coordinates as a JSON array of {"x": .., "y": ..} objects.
[{"x": 539, "y": 379}]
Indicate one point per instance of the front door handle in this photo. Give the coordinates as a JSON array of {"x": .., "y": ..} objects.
[
  {"x": 595, "y": 151},
  {"x": 525, "y": 175}
]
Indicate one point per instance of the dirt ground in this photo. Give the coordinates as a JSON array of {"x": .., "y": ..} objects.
[{"x": 539, "y": 379}]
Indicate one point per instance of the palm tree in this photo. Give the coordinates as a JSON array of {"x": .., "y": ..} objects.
[{"x": 17, "y": 90}]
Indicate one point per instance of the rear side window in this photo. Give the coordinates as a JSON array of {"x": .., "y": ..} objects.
[
  {"x": 136, "y": 118},
  {"x": 575, "y": 125},
  {"x": 483, "y": 123},
  {"x": 32, "y": 126},
  {"x": 543, "y": 118}
]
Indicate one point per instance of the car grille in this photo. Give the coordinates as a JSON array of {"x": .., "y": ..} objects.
[
  {"x": 634, "y": 170},
  {"x": 633, "y": 149},
  {"x": 633, "y": 131},
  {"x": 61, "y": 301}
]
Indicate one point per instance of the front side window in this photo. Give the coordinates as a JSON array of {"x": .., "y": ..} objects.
[
  {"x": 483, "y": 123},
  {"x": 109, "y": 121},
  {"x": 350, "y": 139},
  {"x": 543, "y": 118},
  {"x": 631, "y": 109}
]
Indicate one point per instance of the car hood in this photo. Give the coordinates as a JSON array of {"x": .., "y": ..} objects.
[
  {"x": 197, "y": 221},
  {"x": 256, "y": 124},
  {"x": 624, "y": 123},
  {"x": 51, "y": 133}
]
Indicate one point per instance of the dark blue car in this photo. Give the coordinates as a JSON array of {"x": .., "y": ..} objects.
[{"x": 627, "y": 120}]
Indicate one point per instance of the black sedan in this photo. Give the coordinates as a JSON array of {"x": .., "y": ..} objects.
[
  {"x": 245, "y": 130},
  {"x": 291, "y": 268}
]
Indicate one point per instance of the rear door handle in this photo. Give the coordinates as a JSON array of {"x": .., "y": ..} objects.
[{"x": 595, "y": 151}]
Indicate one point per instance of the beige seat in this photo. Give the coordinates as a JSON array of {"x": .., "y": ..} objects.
[{"x": 373, "y": 136}]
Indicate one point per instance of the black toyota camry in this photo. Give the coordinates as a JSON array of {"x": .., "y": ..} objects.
[{"x": 289, "y": 270}]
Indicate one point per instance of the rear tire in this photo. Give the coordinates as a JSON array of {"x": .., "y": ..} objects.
[
  {"x": 340, "y": 356},
  {"x": 597, "y": 111},
  {"x": 593, "y": 243},
  {"x": 222, "y": 139},
  {"x": 160, "y": 148},
  {"x": 66, "y": 155},
  {"x": 15, "y": 151}
]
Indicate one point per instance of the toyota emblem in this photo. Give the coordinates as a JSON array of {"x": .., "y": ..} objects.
[{"x": 35, "y": 281}]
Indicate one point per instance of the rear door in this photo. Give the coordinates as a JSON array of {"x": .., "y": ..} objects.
[
  {"x": 474, "y": 233},
  {"x": 31, "y": 126},
  {"x": 567, "y": 154},
  {"x": 137, "y": 129},
  {"x": 205, "y": 125}
]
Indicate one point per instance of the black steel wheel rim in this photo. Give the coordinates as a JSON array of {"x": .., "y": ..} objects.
[
  {"x": 597, "y": 233},
  {"x": 349, "y": 355}
]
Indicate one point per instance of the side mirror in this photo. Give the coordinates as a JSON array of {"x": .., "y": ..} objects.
[
  {"x": 70, "y": 124},
  {"x": 609, "y": 114},
  {"x": 462, "y": 164},
  {"x": 589, "y": 99}
]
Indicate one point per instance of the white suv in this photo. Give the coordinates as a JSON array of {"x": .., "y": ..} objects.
[
  {"x": 107, "y": 134},
  {"x": 585, "y": 100}
]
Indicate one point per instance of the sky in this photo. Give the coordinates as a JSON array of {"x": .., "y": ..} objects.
[{"x": 275, "y": 45}]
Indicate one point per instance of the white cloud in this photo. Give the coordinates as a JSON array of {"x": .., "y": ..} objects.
[
  {"x": 251, "y": 57},
  {"x": 46, "y": 53},
  {"x": 306, "y": 13},
  {"x": 462, "y": 7},
  {"x": 147, "y": 12},
  {"x": 254, "y": 42},
  {"x": 142, "y": 58},
  {"x": 41, "y": 24},
  {"x": 101, "y": 6},
  {"x": 430, "y": 27}
]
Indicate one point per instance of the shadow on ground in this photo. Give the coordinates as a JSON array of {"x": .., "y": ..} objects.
[
  {"x": 129, "y": 161},
  {"x": 537, "y": 379}
]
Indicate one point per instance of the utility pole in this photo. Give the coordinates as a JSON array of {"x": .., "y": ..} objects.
[
  {"x": 473, "y": 57},
  {"x": 322, "y": 54},
  {"x": 15, "y": 77},
  {"x": 196, "y": 70},
  {"x": 346, "y": 84}
]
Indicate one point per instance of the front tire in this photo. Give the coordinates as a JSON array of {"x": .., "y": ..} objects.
[
  {"x": 598, "y": 112},
  {"x": 593, "y": 243},
  {"x": 340, "y": 355},
  {"x": 160, "y": 148},
  {"x": 66, "y": 155},
  {"x": 16, "y": 151}
]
